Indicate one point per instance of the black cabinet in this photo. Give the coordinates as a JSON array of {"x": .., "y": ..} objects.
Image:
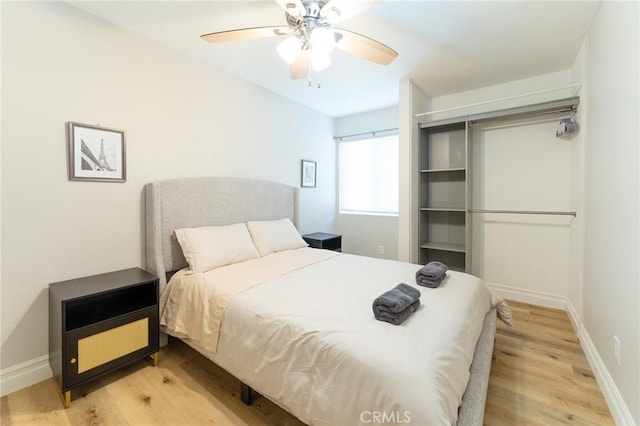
[
  {"x": 100, "y": 323},
  {"x": 324, "y": 240}
]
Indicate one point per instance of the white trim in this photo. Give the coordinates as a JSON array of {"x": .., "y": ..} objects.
[
  {"x": 529, "y": 296},
  {"x": 619, "y": 410},
  {"x": 573, "y": 317},
  {"x": 24, "y": 375}
]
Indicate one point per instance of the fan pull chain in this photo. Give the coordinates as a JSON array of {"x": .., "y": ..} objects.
[{"x": 318, "y": 84}]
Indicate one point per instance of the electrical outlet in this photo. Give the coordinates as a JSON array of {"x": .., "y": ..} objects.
[
  {"x": 380, "y": 249},
  {"x": 616, "y": 349}
]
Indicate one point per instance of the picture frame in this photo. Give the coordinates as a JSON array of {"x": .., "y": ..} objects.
[
  {"x": 96, "y": 153},
  {"x": 308, "y": 174}
]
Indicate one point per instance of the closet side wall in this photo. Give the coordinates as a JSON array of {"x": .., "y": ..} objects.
[{"x": 412, "y": 100}]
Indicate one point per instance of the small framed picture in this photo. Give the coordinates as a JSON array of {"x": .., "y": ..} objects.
[
  {"x": 308, "y": 174},
  {"x": 96, "y": 153}
]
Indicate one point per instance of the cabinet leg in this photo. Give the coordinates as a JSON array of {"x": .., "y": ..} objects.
[
  {"x": 67, "y": 399},
  {"x": 154, "y": 359}
]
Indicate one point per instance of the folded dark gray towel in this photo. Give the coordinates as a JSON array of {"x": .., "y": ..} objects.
[
  {"x": 431, "y": 274},
  {"x": 395, "y": 305},
  {"x": 398, "y": 317},
  {"x": 398, "y": 298},
  {"x": 409, "y": 291}
]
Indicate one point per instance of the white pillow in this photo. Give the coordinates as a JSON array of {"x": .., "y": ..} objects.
[
  {"x": 275, "y": 235},
  {"x": 209, "y": 247}
]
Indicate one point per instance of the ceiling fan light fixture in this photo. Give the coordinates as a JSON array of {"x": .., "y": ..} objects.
[
  {"x": 289, "y": 49},
  {"x": 320, "y": 60},
  {"x": 311, "y": 37},
  {"x": 330, "y": 14},
  {"x": 322, "y": 39}
]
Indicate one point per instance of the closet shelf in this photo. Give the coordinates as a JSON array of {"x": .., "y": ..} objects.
[
  {"x": 444, "y": 246},
  {"x": 454, "y": 169},
  {"x": 442, "y": 209}
]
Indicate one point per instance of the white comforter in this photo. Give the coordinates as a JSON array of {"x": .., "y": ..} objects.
[{"x": 307, "y": 339}]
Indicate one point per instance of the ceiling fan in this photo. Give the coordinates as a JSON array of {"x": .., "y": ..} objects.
[{"x": 311, "y": 35}]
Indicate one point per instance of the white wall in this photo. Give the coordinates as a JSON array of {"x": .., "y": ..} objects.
[
  {"x": 362, "y": 234},
  {"x": 181, "y": 117},
  {"x": 522, "y": 165},
  {"x": 612, "y": 212}
]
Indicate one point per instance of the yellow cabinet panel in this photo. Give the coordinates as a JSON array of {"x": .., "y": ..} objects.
[{"x": 111, "y": 344}]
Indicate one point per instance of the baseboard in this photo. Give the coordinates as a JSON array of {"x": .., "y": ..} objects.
[
  {"x": 573, "y": 317},
  {"x": 529, "y": 296},
  {"x": 24, "y": 375},
  {"x": 619, "y": 410}
]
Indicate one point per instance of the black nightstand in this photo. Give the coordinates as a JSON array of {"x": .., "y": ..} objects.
[
  {"x": 100, "y": 323},
  {"x": 324, "y": 240}
]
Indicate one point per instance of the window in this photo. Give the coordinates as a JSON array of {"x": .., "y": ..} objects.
[{"x": 368, "y": 175}]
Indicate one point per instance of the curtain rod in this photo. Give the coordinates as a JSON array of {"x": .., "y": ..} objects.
[
  {"x": 523, "y": 212},
  {"x": 496, "y": 100},
  {"x": 372, "y": 133}
]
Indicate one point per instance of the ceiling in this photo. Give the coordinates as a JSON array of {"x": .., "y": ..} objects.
[{"x": 444, "y": 46}]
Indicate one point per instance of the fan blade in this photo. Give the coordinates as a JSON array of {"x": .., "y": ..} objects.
[
  {"x": 292, "y": 7},
  {"x": 364, "y": 47},
  {"x": 300, "y": 67},
  {"x": 339, "y": 10},
  {"x": 245, "y": 34}
]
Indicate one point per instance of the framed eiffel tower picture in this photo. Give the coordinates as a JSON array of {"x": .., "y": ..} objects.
[{"x": 96, "y": 153}]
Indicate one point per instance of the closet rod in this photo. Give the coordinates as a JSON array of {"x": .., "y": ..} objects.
[
  {"x": 551, "y": 112},
  {"x": 523, "y": 212}
]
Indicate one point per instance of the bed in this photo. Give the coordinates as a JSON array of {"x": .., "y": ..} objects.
[{"x": 303, "y": 334}]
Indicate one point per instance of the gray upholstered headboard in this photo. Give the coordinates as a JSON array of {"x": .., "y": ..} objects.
[{"x": 207, "y": 201}]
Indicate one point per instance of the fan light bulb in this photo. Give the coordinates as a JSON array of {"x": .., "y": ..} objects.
[
  {"x": 320, "y": 60},
  {"x": 289, "y": 49},
  {"x": 322, "y": 40}
]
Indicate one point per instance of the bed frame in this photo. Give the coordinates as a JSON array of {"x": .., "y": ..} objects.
[{"x": 209, "y": 201}]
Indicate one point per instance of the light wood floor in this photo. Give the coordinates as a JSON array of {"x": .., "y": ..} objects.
[{"x": 539, "y": 376}]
